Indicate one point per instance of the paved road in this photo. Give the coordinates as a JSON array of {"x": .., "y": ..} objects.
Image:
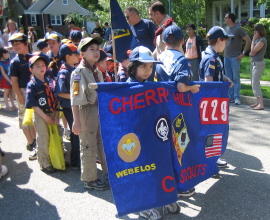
[{"x": 241, "y": 193}]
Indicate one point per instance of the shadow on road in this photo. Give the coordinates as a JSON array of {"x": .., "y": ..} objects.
[
  {"x": 16, "y": 201},
  {"x": 234, "y": 194}
]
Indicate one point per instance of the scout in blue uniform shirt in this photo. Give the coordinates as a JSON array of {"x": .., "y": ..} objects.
[
  {"x": 122, "y": 70},
  {"x": 211, "y": 67},
  {"x": 40, "y": 97},
  {"x": 70, "y": 55},
  {"x": 20, "y": 76},
  {"x": 175, "y": 67},
  {"x": 139, "y": 69},
  {"x": 54, "y": 43}
]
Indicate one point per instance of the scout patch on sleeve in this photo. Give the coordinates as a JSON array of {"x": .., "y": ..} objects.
[
  {"x": 77, "y": 77},
  {"x": 28, "y": 90},
  {"x": 212, "y": 67},
  {"x": 62, "y": 76}
]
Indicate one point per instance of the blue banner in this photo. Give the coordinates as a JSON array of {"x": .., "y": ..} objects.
[
  {"x": 123, "y": 37},
  {"x": 158, "y": 141}
]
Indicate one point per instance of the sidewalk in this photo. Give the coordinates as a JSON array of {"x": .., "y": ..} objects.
[{"x": 249, "y": 100}]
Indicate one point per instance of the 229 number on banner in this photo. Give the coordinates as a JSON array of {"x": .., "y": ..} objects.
[{"x": 214, "y": 110}]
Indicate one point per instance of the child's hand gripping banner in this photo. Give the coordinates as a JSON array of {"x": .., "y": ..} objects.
[{"x": 158, "y": 141}]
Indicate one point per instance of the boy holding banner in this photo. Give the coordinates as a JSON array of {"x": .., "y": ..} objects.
[
  {"x": 85, "y": 113},
  {"x": 211, "y": 67},
  {"x": 139, "y": 69},
  {"x": 175, "y": 67}
]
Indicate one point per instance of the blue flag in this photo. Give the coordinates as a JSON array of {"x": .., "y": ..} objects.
[
  {"x": 123, "y": 37},
  {"x": 158, "y": 141}
]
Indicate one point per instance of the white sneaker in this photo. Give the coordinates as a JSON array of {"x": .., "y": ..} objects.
[
  {"x": 221, "y": 163},
  {"x": 173, "y": 208},
  {"x": 151, "y": 214},
  {"x": 237, "y": 102},
  {"x": 4, "y": 171},
  {"x": 67, "y": 135}
]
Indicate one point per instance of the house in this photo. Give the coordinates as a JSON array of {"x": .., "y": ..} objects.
[
  {"x": 216, "y": 10},
  {"x": 39, "y": 13}
]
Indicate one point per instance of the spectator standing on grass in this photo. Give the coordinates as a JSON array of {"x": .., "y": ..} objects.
[
  {"x": 233, "y": 55},
  {"x": 97, "y": 31},
  {"x": 73, "y": 27},
  {"x": 193, "y": 47},
  {"x": 258, "y": 48},
  {"x": 50, "y": 30},
  {"x": 107, "y": 34},
  {"x": 11, "y": 29}
]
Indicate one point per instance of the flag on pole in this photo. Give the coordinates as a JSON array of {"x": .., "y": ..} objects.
[{"x": 123, "y": 37}]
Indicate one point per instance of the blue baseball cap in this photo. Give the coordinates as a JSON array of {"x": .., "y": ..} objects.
[
  {"x": 142, "y": 54},
  {"x": 216, "y": 32},
  {"x": 34, "y": 59},
  {"x": 103, "y": 55},
  {"x": 18, "y": 37},
  {"x": 41, "y": 44},
  {"x": 75, "y": 35},
  {"x": 172, "y": 30},
  {"x": 68, "y": 48}
]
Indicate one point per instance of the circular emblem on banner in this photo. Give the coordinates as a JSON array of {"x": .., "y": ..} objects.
[
  {"x": 162, "y": 128},
  {"x": 129, "y": 147}
]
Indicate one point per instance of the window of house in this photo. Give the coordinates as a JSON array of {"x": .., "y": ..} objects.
[
  {"x": 256, "y": 9},
  {"x": 33, "y": 20},
  {"x": 56, "y": 20},
  {"x": 65, "y": 2}
]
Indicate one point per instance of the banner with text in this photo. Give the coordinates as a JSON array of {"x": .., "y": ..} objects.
[{"x": 158, "y": 141}]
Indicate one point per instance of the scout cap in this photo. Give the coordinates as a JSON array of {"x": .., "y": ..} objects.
[
  {"x": 172, "y": 30},
  {"x": 18, "y": 37},
  {"x": 65, "y": 41},
  {"x": 66, "y": 49},
  {"x": 142, "y": 54},
  {"x": 75, "y": 35},
  {"x": 41, "y": 44},
  {"x": 103, "y": 55},
  {"x": 216, "y": 32},
  {"x": 87, "y": 40},
  {"x": 54, "y": 37},
  {"x": 34, "y": 59}
]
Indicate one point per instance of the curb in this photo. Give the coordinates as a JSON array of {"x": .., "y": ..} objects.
[{"x": 249, "y": 100}]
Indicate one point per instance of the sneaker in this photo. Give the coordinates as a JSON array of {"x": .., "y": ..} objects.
[
  {"x": 30, "y": 147},
  {"x": 190, "y": 192},
  {"x": 97, "y": 185},
  {"x": 48, "y": 169},
  {"x": 4, "y": 171},
  {"x": 232, "y": 101},
  {"x": 221, "y": 163},
  {"x": 151, "y": 214},
  {"x": 237, "y": 102},
  {"x": 67, "y": 135},
  {"x": 33, "y": 154},
  {"x": 173, "y": 208}
]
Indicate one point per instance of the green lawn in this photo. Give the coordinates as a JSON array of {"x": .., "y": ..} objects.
[
  {"x": 247, "y": 90},
  {"x": 245, "y": 69}
]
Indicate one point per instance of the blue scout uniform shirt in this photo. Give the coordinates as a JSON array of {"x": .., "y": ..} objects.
[
  {"x": 122, "y": 74},
  {"x": 19, "y": 67},
  {"x": 144, "y": 32},
  {"x": 57, "y": 62},
  {"x": 63, "y": 84},
  {"x": 174, "y": 67},
  {"x": 211, "y": 65},
  {"x": 36, "y": 94}
]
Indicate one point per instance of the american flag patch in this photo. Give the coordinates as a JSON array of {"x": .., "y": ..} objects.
[
  {"x": 213, "y": 145},
  {"x": 214, "y": 60},
  {"x": 63, "y": 76},
  {"x": 77, "y": 77},
  {"x": 28, "y": 90}
]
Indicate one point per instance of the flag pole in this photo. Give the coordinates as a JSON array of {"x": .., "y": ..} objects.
[{"x": 114, "y": 56}]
